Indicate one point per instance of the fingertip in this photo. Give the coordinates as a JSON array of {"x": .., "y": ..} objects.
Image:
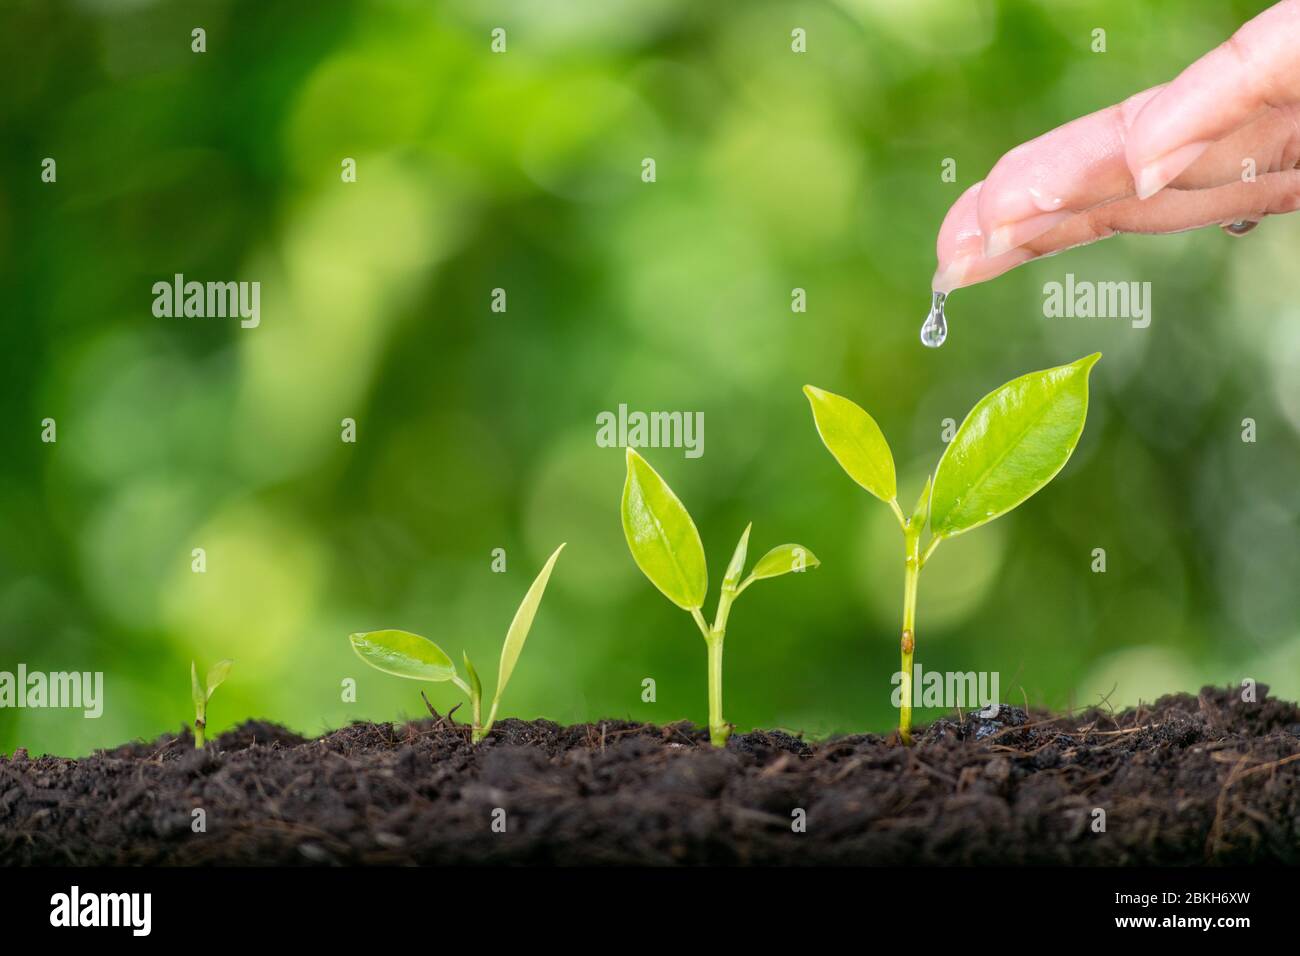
[
  {"x": 949, "y": 276},
  {"x": 972, "y": 269},
  {"x": 959, "y": 231}
]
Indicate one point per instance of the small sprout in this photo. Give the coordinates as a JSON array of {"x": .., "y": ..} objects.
[
  {"x": 202, "y": 693},
  {"x": 667, "y": 548},
  {"x": 417, "y": 658},
  {"x": 1013, "y": 442}
]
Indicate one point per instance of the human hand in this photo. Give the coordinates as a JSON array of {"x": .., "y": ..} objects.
[{"x": 1167, "y": 159}]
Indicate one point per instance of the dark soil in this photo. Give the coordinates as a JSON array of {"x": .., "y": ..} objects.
[{"x": 1192, "y": 780}]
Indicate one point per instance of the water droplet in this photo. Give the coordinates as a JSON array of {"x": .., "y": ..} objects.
[{"x": 935, "y": 329}]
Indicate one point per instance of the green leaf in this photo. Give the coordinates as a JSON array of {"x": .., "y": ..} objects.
[
  {"x": 403, "y": 654},
  {"x": 1012, "y": 443},
  {"x": 217, "y": 674},
  {"x": 737, "y": 565},
  {"x": 475, "y": 685},
  {"x": 196, "y": 689},
  {"x": 662, "y": 537},
  {"x": 921, "y": 512},
  {"x": 855, "y": 440},
  {"x": 522, "y": 623},
  {"x": 783, "y": 559}
]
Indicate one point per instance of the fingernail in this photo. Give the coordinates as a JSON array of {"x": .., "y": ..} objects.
[
  {"x": 969, "y": 269},
  {"x": 1006, "y": 237},
  {"x": 1159, "y": 173},
  {"x": 950, "y": 276}
]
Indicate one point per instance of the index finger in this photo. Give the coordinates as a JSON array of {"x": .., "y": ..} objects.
[
  {"x": 1257, "y": 68},
  {"x": 1067, "y": 170}
]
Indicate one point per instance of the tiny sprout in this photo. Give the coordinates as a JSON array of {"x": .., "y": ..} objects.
[
  {"x": 202, "y": 693},
  {"x": 408, "y": 655},
  {"x": 667, "y": 548},
  {"x": 1013, "y": 442}
]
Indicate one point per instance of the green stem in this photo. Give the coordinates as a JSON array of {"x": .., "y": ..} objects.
[
  {"x": 700, "y": 622},
  {"x": 199, "y": 738},
  {"x": 480, "y": 732},
  {"x": 477, "y": 729},
  {"x": 911, "y": 577},
  {"x": 719, "y": 729}
]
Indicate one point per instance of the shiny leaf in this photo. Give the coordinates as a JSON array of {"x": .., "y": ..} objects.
[
  {"x": 217, "y": 674},
  {"x": 855, "y": 440},
  {"x": 196, "y": 689},
  {"x": 1013, "y": 442},
  {"x": 783, "y": 559},
  {"x": 403, "y": 654},
  {"x": 737, "y": 566},
  {"x": 921, "y": 511},
  {"x": 662, "y": 537},
  {"x": 522, "y": 623},
  {"x": 475, "y": 685}
]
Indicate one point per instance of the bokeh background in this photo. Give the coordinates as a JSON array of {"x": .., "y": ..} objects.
[{"x": 476, "y": 430}]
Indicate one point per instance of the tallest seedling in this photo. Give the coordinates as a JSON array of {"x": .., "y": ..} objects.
[{"x": 1012, "y": 443}]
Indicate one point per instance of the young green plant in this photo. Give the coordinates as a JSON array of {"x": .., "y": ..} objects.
[
  {"x": 1013, "y": 442},
  {"x": 417, "y": 658},
  {"x": 202, "y": 693},
  {"x": 667, "y": 548}
]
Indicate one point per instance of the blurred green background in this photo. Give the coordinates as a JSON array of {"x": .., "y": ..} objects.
[{"x": 476, "y": 430}]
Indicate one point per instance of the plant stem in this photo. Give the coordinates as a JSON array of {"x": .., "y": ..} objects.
[
  {"x": 911, "y": 577},
  {"x": 476, "y": 712},
  {"x": 701, "y": 623},
  {"x": 478, "y": 732},
  {"x": 199, "y": 739},
  {"x": 719, "y": 729}
]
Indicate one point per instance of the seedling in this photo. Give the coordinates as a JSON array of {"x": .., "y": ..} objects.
[
  {"x": 202, "y": 693},
  {"x": 417, "y": 658},
  {"x": 1013, "y": 442},
  {"x": 667, "y": 548}
]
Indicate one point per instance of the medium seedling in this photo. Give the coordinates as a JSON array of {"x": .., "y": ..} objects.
[
  {"x": 417, "y": 658},
  {"x": 667, "y": 548},
  {"x": 202, "y": 693},
  {"x": 1013, "y": 442}
]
